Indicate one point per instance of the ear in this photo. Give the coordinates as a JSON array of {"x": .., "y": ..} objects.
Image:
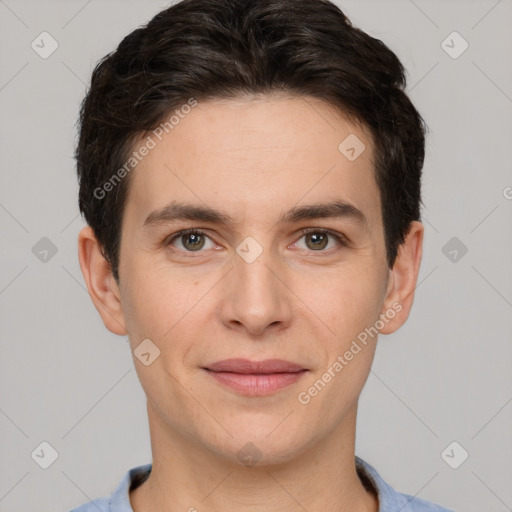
[
  {"x": 402, "y": 280},
  {"x": 102, "y": 286}
]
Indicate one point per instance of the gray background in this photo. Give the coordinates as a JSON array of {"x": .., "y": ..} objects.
[{"x": 444, "y": 377}]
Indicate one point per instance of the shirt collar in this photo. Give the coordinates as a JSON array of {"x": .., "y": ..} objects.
[
  {"x": 120, "y": 499},
  {"x": 389, "y": 499}
]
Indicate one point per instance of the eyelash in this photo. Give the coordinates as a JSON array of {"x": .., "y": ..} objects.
[{"x": 304, "y": 231}]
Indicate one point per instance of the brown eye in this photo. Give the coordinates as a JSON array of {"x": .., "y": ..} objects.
[
  {"x": 190, "y": 241},
  {"x": 193, "y": 241},
  {"x": 317, "y": 241}
]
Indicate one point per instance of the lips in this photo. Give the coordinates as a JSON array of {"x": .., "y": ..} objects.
[
  {"x": 255, "y": 378},
  {"x": 245, "y": 366}
]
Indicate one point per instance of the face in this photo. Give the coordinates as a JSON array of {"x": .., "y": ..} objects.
[{"x": 284, "y": 258}]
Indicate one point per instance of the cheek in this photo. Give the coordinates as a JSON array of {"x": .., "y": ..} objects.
[
  {"x": 166, "y": 306},
  {"x": 347, "y": 300},
  {"x": 151, "y": 305}
]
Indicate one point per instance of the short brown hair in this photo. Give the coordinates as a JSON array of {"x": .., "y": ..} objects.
[{"x": 206, "y": 49}]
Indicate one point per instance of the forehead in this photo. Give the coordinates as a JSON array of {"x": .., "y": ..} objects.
[{"x": 255, "y": 156}]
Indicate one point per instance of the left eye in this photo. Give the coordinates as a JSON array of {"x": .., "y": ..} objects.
[{"x": 318, "y": 240}]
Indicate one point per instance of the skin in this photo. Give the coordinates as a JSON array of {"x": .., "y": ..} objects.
[{"x": 253, "y": 158}]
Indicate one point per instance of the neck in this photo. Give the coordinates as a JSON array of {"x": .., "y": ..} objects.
[{"x": 187, "y": 476}]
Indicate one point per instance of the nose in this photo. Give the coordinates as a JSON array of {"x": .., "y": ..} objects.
[{"x": 256, "y": 299}]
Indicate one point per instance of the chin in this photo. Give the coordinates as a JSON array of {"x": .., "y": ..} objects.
[{"x": 261, "y": 444}]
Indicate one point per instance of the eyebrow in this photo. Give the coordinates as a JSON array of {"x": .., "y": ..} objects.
[{"x": 185, "y": 211}]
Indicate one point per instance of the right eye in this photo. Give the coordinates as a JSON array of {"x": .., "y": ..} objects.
[{"x": 191, "y": 240}]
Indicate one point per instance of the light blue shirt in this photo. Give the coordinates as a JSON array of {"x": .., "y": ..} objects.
[{"x": 389, "y": 499}]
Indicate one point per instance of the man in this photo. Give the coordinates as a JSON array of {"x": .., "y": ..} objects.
[{"x": 250, "y": 175}]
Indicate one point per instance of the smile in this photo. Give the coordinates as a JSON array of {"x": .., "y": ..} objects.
[{"x": 255, "y": 378}]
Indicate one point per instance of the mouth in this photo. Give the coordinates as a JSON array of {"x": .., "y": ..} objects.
[{"x": 255, "y": 378}]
